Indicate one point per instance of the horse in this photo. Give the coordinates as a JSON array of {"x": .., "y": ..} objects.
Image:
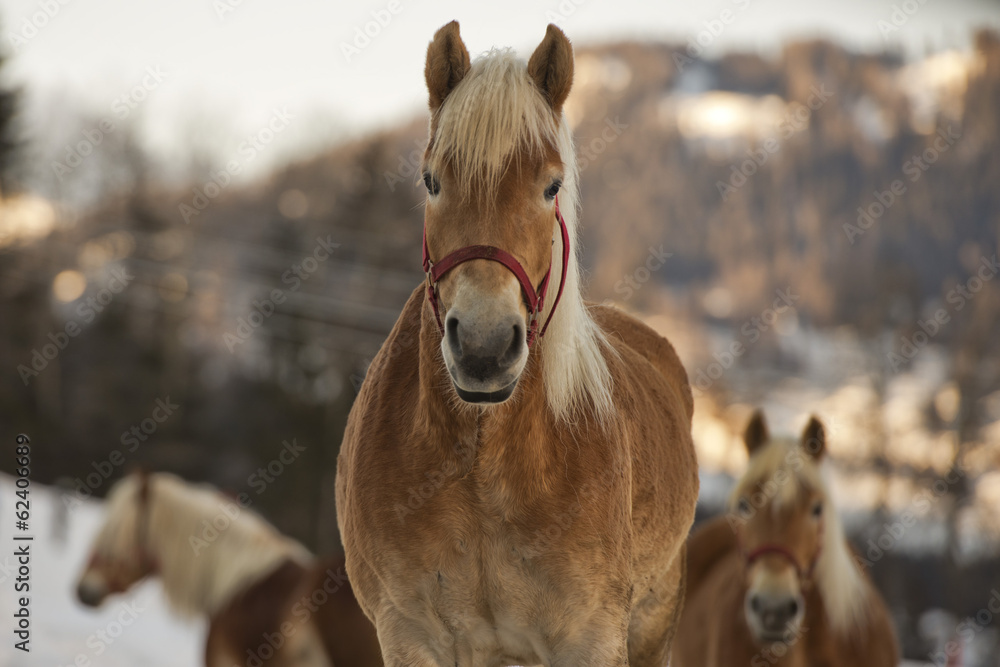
[
  {"x": 774, "y": 582},
  {"x": 517, "y": 476},
  {"x": 268, "y": 600}
]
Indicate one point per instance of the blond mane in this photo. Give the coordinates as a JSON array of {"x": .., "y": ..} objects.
[
  {"x": 199, "y": 575},
  {"x": 786, "y": 474},
  {"x": 492, "y": 114}
]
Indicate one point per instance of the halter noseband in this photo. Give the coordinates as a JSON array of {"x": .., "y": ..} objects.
[{"x": 535, "y": 299}]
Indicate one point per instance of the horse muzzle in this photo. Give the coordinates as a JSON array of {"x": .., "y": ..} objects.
[
  {"x": 484, "y": 359},
  {"x": 774, "y": 617},
  {"x": 90, "y": 592}
]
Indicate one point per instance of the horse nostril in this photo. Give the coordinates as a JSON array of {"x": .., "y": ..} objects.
[
  {"x": 793, "y": 608},
  {"x": 87, "y": 595},
  {"x": 755, "y": 604},
  {"x": 451, "y": 333},
  {"x": 514, "y": 349}
]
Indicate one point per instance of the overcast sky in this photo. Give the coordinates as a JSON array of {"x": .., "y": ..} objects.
[{"x": 235, "y": 61}]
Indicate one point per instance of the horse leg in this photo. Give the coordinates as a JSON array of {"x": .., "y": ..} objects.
[
  {"x": 655, "y": 617},
  {"x": 409, "y": 643},
  {"x": 601, "y": 641},
  {"x": 304, "y": 648}
]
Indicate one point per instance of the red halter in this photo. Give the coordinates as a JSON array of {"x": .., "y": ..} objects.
[{"x": 535, "y": 299}]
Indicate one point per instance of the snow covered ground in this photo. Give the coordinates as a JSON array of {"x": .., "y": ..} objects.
[{"x": 132, "y": 630}]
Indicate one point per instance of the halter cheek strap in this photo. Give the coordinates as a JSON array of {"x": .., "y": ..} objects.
[
  {"x": 148, "y": 563},
  {"x": 146, "y": 559},
  {"x": 535, "y": 298}
]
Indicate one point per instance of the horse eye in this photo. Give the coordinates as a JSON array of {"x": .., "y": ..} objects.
[
  {"x": 553, "y": 190},
  {"x": 743, "y": 506},
  {"x": 432, "y": 184},
  {"x": 817, "y": 510}
]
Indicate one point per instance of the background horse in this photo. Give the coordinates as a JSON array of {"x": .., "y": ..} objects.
[
  {"x": 517, "y": 476},
  {"x": 265, "y": 596},
  {"x": 774, "y": 582}
]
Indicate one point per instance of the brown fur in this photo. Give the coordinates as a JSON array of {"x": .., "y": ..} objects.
[
  {"x": 447, "y": 63},
  {"x": 611, "y": 574},
  {"x": 714, "y": 630},
  {"x": 302, "y": 611},
  {"x": 516, "y": 533}
]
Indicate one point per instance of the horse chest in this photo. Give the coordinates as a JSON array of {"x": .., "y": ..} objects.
[{"x": 496, "y": 571}]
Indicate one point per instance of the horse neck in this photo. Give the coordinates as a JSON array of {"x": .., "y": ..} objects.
[
  {"x": 200, "y": 576},
  {"x": 447, "y": 421}
]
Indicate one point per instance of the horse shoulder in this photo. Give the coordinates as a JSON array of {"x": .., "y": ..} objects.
[
  {"x": 622, "y": 328},
  {"x": 711, "y": 632},
  {"x": 709, "y": 543}
]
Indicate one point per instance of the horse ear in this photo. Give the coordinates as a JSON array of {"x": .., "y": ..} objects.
[
  {"x": 551, "y": 67},
  {"x": 447, "y": 63},
  {"x": 756, "y": 434},
  {"x": 814, "y": 438}
]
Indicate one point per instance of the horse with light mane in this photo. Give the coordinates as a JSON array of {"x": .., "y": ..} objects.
[
  {"x": 218, "y": 559},
  {"x": 774, "y": 582},
  {"x": 517, "y": 476}
]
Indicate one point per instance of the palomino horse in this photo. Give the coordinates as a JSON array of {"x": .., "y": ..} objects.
[
  {"x": 517, "y": 476},
  {"x": 268, "y": 601},
  {"x": 774, "y": 582}
]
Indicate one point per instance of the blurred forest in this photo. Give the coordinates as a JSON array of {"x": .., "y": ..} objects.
[{"x": 254, "y": 308}]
